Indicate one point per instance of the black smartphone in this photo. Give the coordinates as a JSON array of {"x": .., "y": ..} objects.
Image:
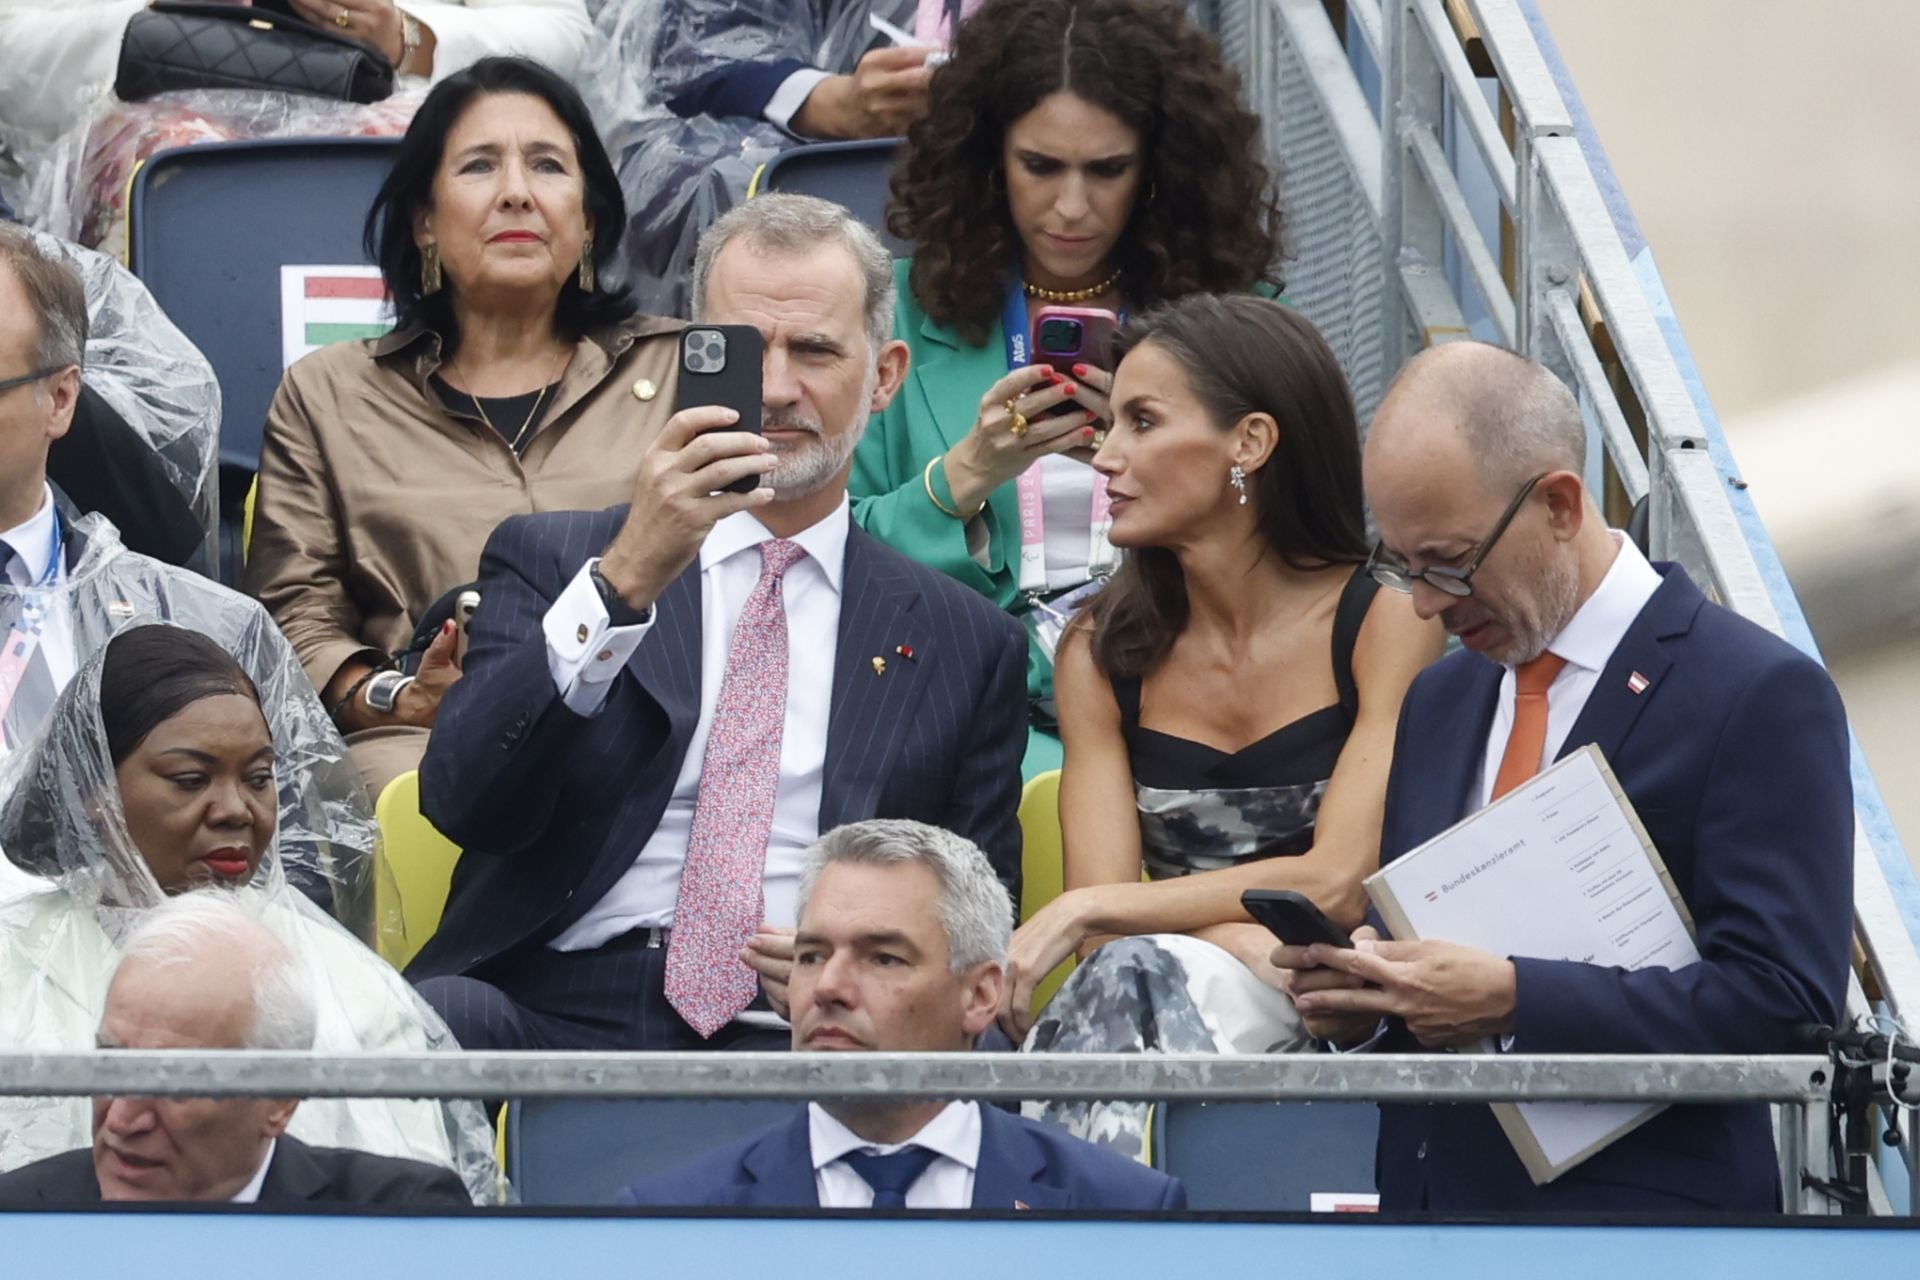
[
  {"x": 1292, "y": 918},
  {"x": 720, "y": 364}
]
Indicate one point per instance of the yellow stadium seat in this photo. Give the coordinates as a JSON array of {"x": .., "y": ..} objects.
[
  {"x": 1042, "y": 863},
  {"x": 416, "y": 866}
]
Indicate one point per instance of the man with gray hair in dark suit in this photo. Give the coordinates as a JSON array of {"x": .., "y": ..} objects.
[
  {"x": 200, "y": 971},
  {"x": 665, "y": 703}
]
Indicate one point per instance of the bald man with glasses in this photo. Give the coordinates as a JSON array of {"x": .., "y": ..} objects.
[{"x": 1731, "y": 745}]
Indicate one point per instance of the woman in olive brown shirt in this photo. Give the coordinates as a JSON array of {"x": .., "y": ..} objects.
[{"x": 511, "y": 384}]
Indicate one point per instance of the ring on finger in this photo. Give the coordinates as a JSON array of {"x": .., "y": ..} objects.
[
  {"x": 1016, "y": 421},
  {"x": 343, "y": 18}
]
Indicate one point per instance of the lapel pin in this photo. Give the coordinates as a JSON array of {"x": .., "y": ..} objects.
[
  {"x": 879, "y": 666},
  {"x": 905, "y": 651},
  {"x": 644, "y": 390},
  {"x": 1637, "y": 683}
]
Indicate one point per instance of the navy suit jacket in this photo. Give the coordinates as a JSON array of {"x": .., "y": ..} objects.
[
  {"x": 1023, "y": 1165},
  {"x": 1736, "y": 758},
  {"x": 551, "y": 808}
]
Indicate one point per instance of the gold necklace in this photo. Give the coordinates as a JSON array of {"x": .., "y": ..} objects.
[
  {"x": 513, "y": 444},
  {"x": 1072, "y": 295}
]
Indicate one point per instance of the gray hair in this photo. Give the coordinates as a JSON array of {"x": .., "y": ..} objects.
[
  {"x": 1517, "y": 417},
  {"x": 975, "y": 909},
  {"x": 786, "y": 223},
  {"x": 54, "y": 291},
  {"x": 182, "y": 931}
]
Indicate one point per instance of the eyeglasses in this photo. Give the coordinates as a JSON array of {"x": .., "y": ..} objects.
[
  {"x": 8, "y": 384},
  {"x": 1453, "y": 582}
]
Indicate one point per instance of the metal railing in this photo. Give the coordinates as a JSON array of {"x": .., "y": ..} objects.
[{"x": 1796, "y": 1086}]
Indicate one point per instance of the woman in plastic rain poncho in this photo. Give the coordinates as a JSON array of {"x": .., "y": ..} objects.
[{"x": 155, "y": 774}]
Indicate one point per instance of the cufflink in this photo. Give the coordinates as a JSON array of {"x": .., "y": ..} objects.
[
  {"x": 582, "y": 633},
  {"x": 644, "y": 389}
]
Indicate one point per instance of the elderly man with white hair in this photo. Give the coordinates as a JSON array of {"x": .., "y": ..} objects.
[
  {"x": 665, "y": 703},
  {"x": 902, "y": 947},
  {"x": 199, "y": 972}
]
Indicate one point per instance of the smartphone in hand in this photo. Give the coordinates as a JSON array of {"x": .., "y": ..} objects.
[
  {"x": 720, "y": 364},
  {"x": 1292, "y": 918},
  {"x": 1066, "y": 336}
]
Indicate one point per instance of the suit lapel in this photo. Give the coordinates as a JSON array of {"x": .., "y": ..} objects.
[
  {"x": 1618, "y": 699},
  {"x": 880, "y": 618},
  {"x": 667, "y": 663},
  {"x": 294, "y": 1175},
  {"x": 1011, "y": 1164},
  {"x": 780, "y": 1166},
  {"x": 950, "y": 378},
  {"x": 1455, "y": 749}
]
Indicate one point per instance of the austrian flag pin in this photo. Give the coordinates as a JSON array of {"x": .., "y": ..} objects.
[{"x": 1637, "y": 683}]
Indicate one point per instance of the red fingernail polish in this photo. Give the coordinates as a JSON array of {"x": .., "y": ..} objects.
[
  {"x": 1087, "y": 432},
  {"x": 1080, "y": 370},
  {"x": 1068, "y": 387}
]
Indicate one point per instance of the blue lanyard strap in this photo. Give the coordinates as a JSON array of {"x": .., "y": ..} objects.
[{"x": 52, "y": 570}]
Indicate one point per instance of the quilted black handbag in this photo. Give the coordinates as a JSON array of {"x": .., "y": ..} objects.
[{"x": 174, "y": 44}]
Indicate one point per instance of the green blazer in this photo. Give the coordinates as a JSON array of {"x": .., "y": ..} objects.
[{"x": 932, "y": 412}]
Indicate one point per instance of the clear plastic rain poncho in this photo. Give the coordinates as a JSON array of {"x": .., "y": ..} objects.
[
  {"x": 679, "y": 175},
  {"x": 327, "y": 830},
  {"x": 149, "y": 373},
  {"x": 78, "y": 187},
  {"x": 76, "y": 885}
]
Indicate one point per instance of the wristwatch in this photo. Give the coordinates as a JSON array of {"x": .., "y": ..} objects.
[
  {"x": 384, "y": 690},
  {"x": 619, "y": 612}
]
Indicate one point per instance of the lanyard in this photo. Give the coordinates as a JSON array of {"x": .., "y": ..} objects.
[
  {"x": 1032, "y": 498},
  {"x": 33, "y": 608}
]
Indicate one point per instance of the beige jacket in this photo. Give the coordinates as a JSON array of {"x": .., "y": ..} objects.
[{"x": 374, "y": 500}]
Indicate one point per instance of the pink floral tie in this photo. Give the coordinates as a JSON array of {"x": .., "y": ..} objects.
[{"x": 721, "y": 900}]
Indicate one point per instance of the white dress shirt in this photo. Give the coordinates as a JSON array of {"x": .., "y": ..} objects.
[
  {"x": 32, "y": 543},
  {"x": 1587, "y": 643},
  {"x": 791, "y": 96},
  {"x": 250, "y": 1194},
  {"x": 947, "y": 1183},
  {"x": 582, "y": 671}
]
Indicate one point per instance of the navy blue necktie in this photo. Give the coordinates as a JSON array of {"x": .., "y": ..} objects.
[{"x": 890, "y": 1176}]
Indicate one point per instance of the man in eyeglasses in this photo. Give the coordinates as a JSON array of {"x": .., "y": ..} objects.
[{"x": 1731, "y": 745}]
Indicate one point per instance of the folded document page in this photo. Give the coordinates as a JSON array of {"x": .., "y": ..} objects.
[{"x": 1558, "y": 869}]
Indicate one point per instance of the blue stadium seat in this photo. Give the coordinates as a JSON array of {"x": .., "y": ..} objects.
[
  {"x": 582, "y": 1151},
  {"x": 851, "y": 174},
  {"x": 1266, "y": 1156},
  {"x": 210, "y": 226}
]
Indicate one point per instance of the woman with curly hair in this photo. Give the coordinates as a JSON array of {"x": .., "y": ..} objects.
[{"x": 1091, "y": 153}]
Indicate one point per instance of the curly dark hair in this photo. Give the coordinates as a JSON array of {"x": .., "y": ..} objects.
[{"x": 1209, "y": 220}]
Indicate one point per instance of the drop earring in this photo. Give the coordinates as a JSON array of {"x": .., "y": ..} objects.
[
  {"x": 430, "y": 268},
  {"x": 1238, "y": 479},
  {"x": 586, "y": 266}
]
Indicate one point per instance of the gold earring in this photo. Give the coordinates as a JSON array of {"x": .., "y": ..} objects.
[
  {"x": 430, "y": 280},
  {"x": 586, "y": 266}
]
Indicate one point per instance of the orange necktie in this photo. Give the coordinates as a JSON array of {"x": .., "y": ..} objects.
[{"x": 1529, "y": 736}]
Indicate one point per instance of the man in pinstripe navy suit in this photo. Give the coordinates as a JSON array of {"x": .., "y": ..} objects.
[{"x": 664, "y": 704}]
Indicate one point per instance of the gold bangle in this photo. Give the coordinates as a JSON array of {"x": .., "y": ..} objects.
[{"x": 926, "y": 479}]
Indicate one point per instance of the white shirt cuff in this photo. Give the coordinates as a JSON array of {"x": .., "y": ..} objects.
[
  {"x": 584, "y": 649},
  {"x": 791, "y": 96}
]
